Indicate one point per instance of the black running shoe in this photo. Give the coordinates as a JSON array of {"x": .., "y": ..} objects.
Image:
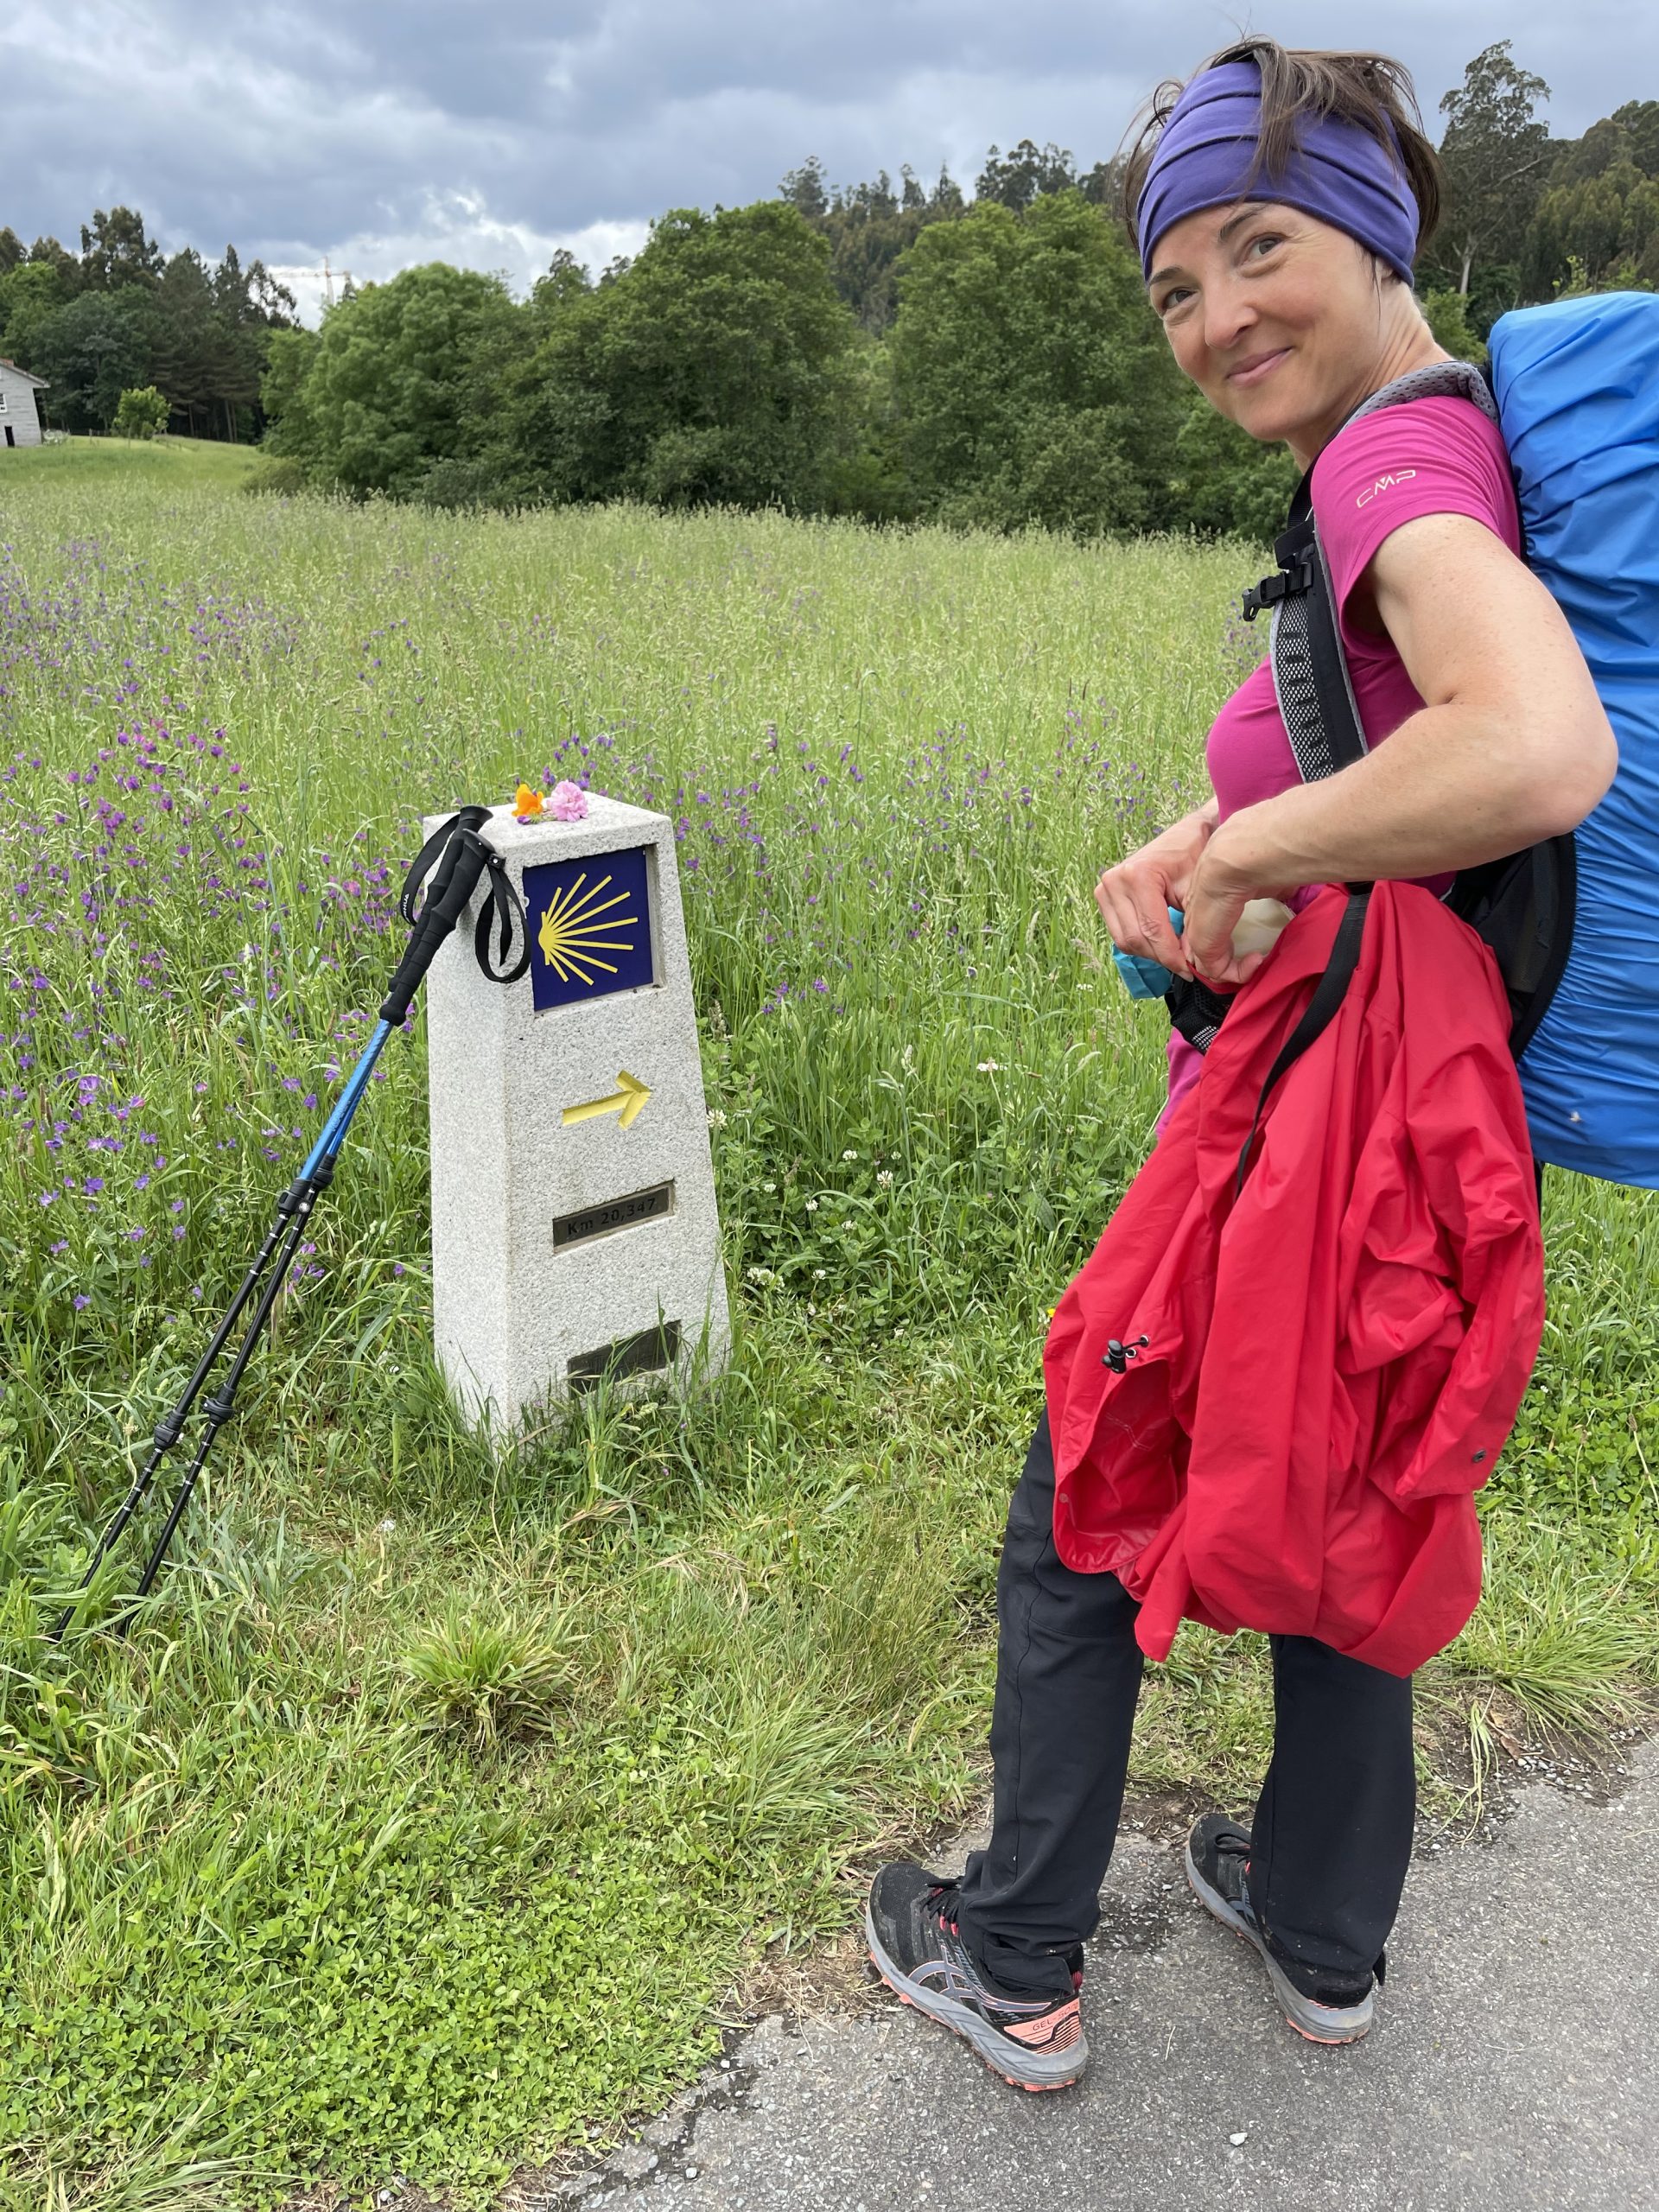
[
  {"x": 1317, "y": 2005},
  {"x": 1033, "y": 2043}
]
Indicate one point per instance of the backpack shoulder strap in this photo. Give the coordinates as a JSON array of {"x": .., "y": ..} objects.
[
  {"x": 1310, "y": 668},
  {"x": 1522, "y": 905},
  {"x": 1311, "y": 682}
]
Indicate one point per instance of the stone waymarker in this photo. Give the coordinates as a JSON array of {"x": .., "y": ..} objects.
[{"x": 574, "y": 1227}]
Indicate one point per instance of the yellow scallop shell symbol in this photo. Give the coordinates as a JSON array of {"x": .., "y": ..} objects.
[{"x": 578, "y": 928}]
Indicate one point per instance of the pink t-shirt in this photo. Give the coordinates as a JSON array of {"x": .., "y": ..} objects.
[{"x": 1429, "y": 457}]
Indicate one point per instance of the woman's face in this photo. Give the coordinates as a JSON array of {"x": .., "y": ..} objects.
[{"x": 1278, "y": 318}]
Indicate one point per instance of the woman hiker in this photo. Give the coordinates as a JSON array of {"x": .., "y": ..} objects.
[{"x": 1278, "y": 202}]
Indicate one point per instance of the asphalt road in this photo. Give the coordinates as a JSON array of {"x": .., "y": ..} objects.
[{"x": 1513, "y": 2068}]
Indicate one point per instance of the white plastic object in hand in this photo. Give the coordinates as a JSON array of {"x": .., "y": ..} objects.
[{"x": 1257, "y": 929}]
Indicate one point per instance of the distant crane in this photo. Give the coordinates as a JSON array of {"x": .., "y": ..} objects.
[{"x": 325, "y": 277}]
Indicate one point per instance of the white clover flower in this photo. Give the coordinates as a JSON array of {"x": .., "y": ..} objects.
[
  {"x": 818, "y": 1274},
  {"x": 768, "y": 1186},
  {"x": 716, "y": 1117},
  {"x": 849, "y": 1155},
  {"x": 990, "y": 1067},
  {"x": 385, "y": 1527},
  {"x": 812, "y": 1310},
  {"x": 811, "y": 1206},
  {"x": 884, "y": 1177}
]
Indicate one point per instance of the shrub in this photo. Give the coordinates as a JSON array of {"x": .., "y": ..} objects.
[
  {"x": 142, "y": 413},
  {"x": 1447, "y": 316},
  {"x": 277, "y": 478}
]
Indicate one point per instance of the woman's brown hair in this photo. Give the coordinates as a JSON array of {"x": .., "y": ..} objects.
[{"x": 1367, "y": 89}]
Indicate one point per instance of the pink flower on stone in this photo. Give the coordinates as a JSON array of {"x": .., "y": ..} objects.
[{"x": 567, "y": 802}]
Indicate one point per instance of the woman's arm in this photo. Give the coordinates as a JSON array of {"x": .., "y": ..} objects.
[{"x": 1511, "y": 745}]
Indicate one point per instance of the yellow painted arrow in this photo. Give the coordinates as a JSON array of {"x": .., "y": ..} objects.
[{"x": 630, "y": 1099}]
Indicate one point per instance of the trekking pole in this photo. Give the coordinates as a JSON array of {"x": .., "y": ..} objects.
[{"x": 463, "y": 857}]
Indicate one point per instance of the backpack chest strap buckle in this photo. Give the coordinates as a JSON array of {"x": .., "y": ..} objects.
[{"x": 1288, "y": 581}]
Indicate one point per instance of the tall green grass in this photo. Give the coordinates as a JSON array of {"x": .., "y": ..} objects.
[{"x": 440, "y": 1800}]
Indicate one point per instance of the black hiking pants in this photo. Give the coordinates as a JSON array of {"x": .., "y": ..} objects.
[{"x": 1331, "y": 1835}]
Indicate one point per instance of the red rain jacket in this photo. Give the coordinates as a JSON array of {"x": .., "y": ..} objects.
[{"x": 1335, "y": 1359}]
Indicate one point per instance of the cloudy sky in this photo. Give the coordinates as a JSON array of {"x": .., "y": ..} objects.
[{"x": 488, "y": 132}]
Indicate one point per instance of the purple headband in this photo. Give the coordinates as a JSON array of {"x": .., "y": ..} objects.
[{"x": 1340, "y": 174}]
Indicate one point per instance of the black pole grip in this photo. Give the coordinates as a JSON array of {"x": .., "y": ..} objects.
[{"x": 465, "y": 858}]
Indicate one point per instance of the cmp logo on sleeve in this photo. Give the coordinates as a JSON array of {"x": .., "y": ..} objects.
[
  {"x": 589, "y": 927},
  {"x": 1385, "y": 483}
]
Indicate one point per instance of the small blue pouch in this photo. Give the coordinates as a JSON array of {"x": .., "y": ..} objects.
[{"x": 1145, "y": 978}]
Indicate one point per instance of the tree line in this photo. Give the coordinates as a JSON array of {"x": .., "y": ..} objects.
[
  {"x": 122, "y": 316},
  {"x": 904, "y": 351},
  {"x": 1530, "y": 218}
]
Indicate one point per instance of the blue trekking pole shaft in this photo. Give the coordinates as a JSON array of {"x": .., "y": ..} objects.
[
  {"x": 332, "y": 1134},
  {"x": 463, "y": 860}
]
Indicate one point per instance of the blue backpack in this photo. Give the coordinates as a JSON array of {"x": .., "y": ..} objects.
[{"x": 1575, "y": 920}]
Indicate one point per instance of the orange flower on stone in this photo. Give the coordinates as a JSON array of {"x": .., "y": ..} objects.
[{"x": 527, "y": 803}]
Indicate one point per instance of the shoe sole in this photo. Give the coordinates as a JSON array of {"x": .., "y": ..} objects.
[
  {"x": 1058, "y": 2072},
  {"x": 1326, "y": 2023}
]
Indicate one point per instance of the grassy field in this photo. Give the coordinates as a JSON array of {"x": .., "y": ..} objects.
[
  {"x": 176, "y": 463},
  {"x": 438, "y": 1806}
]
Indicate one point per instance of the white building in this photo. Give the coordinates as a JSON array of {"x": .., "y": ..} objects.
[{"x": 19, "y": 416}]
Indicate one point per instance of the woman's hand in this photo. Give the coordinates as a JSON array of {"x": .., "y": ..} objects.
[
  {"x": 1188, "y": 868},
  {"x": 1215, "y": 900},
  {"x": 1134, "y": 896}
]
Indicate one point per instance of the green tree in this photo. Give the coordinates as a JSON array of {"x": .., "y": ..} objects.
[
  {"x": 390, "y": 387},
  {"x": 12, "y": 250},
  {"x": 1030, "y": 383},
  {"x": 1605, "y": 228},
  {"x": 289, "y": 356},
  {"x": 251, "y": 307},
  {"x": 142, "y": 413},
  {"x": 566, "y": 279},
  {"x": 1596, "y": 225},
  {"x": 868, "y": 227},
  {"x": 715, "y": 366},
  {"x": 487, "y": 469},
  {"x": 1639, "y": 121},
  {"x": 806, "y": 190},
  {"x": 1103, "y": 184},
  {"x": 190, "y": 344},
  {"x": 117, "y": 251},
  {"x": 47, "y": 251},
  {"x": 1630, "y": 133},
  {"x": 31, "y": 293},
  {"x": 1225, "y": 484},
  {"x": 1026, "y": 173},
  {"x": 90, "y": 351},
  {"x": 1495, "y": 151}
]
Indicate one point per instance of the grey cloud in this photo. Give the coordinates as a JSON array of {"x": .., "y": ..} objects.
[{"x": 484, "y": 131}]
